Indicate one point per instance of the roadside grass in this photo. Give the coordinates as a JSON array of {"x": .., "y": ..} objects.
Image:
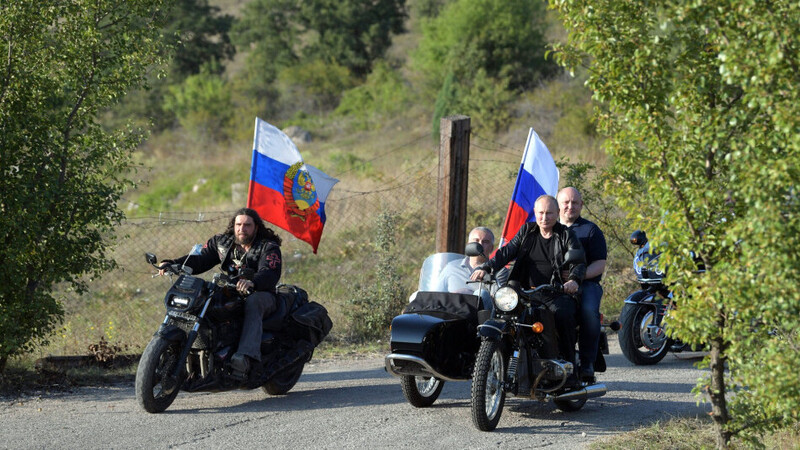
[{"x": 690, "y": 433}]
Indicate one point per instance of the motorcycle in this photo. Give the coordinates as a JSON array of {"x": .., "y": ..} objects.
[
  {"x": 642, "y": 335},
  {"x": 193, "y": 346},
  {"x": 518, "y": 354},
  {"x": 435, "y": 339}
]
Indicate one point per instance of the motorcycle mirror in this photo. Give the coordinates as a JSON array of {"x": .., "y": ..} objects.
[
  {"x": 474, "y": 249},
  {"x": 573, "y": 256},
  {"x": 247, "y": 273},
  {"x": 151, "y": 258},
  {"x": 638, "y": 238}
]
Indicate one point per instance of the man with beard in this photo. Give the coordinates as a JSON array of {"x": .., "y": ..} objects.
[{"x": 247, "y": 243}]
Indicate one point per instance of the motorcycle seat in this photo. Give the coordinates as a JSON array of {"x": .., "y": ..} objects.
[{"x": 274, "y": 321}]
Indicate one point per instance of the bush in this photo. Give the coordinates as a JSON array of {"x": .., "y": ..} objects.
[
  {"x": 202, "y": 105},
  {"x": 370, "y": 313}
]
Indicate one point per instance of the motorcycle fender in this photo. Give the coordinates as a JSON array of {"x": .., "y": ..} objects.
[
  {"x": 171, "y": 333},
  {"x": 640, "y": 297},
  {"x": 492, "y": 329}
]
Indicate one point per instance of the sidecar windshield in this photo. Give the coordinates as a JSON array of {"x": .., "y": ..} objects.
[{"x": 444, "y": 272}]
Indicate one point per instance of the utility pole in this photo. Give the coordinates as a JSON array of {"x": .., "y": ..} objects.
[{"x": 451, "y": 223}]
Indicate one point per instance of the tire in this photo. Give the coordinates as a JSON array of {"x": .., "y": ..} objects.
[
  {"x": 421, "y": 391},
  {"x": 641, "y": 343},
  {"x": 570, "y": 405},
  {"x": 284, "y": 381},
  {"x": 159, "y": 358},
  {"x": 488, "y": 395}
]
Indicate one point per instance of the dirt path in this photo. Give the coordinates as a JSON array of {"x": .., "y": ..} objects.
[{"x": 347, "y": 404}]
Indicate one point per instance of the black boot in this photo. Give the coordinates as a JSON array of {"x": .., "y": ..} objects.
[{"x": 587, "y": 372}]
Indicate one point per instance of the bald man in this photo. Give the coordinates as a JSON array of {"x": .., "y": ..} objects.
[
  {"x": 570, "y": 204},
  {"x": 539, "y": 249}
]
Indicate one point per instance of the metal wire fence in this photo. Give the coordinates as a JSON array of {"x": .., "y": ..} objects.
[{"x": 125, "y": 305}]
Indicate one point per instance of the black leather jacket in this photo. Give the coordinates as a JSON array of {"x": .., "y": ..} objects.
[
  {"x": 264, "y": 257},
  {"x": 522, "y": 243}
]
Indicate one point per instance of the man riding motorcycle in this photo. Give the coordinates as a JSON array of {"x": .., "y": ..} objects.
[
  {"x": 539, "y": 250},
  {"x": 247, "y": 243}
]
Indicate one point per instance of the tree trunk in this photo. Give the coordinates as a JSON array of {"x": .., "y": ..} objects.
[
  {"x": 719, "y": 405},
  {"x": 3, "y": 361}
]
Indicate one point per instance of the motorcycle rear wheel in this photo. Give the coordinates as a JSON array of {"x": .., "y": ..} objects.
[
  {"x": 570, "y": 405},
  {"x": 284, "y": 381},
  {"x": 488, "y": 394},
  {"x": 421, "y": 391},
  {"x": 637, "y": 340},
  {"x": 153, "y": 388}
]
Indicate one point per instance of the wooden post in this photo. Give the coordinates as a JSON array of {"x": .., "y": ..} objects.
[{"x": 451, "y": 224}]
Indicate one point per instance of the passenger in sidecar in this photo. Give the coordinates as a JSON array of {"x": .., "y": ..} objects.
[{"x": 435, "y": 339}]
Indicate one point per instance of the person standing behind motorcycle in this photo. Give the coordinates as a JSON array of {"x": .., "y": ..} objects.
[
  {"x": 539, "y": 249},
  {"x": 247, "y": 243},
  {"x": 570, "y": 202}
]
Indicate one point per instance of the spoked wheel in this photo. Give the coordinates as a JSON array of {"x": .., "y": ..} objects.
[
  {"x": 284, "y": 381},
  {"x": 488, "y": 395},
  {"x": 642, "y": 341},
  {"x": 155, "y": 389},
  {"x": 421, "y": 391}
]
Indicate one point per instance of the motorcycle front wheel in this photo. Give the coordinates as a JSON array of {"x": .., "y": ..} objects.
[
  {"x": 421, "y": 391},
  {"x": 155, "y": 390},
  {"x": 285, "y": 380},
  {"x": 488, "y": 395},
  {"x": 641, "y": 340}
]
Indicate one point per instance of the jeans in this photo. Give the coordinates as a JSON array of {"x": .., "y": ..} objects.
[
  {"x": 589, "y": 321},
  {"x": 256, "y": 306}
]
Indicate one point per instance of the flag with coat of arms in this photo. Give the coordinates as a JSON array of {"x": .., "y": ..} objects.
[{"x": 284, "y": 190}]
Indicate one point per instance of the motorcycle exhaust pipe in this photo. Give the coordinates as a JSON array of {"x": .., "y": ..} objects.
[{"x": 591, "y": 391}]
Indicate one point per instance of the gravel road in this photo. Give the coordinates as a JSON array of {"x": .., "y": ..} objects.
[{"x": 349, "y": 403}]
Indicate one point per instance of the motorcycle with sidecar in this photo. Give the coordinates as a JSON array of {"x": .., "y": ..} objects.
[{"x": 435, "y": 339}]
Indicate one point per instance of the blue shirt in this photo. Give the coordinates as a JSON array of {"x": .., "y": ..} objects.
[{"x": 593, "y": 241}]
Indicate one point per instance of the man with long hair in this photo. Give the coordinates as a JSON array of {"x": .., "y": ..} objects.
[{"x": 247, "y": 243}]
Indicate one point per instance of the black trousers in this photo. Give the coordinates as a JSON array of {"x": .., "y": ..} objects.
[{"x": 565, "y": 309}]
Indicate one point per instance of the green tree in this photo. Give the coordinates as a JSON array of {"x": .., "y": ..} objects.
[
  {"x": 195, "y": 37},
  {"x": 202, "y": 104},
  {"x": 489, "y": 49},
  {"x": 701, "y": 105},
  {"x": 62, "y": 172},
  {"x": 289, "y": 35},
  {"x": 351, "y": 33},
  {"x": 199, "y": 36}
]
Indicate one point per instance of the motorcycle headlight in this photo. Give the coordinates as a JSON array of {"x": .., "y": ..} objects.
[
  {"x": 180, "y": 301},
  {"x": 506, "y": 299}
]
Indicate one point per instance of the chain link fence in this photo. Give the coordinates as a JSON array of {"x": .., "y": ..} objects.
[{"x": 125, "y": 306}]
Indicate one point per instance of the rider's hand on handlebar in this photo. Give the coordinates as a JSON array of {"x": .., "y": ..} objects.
[
  {"x": 245, "y": 286},
  {"x": 477, "y": 275},
  {"x": 570, "y": 287},
  {"x": 162, "y": 269}
]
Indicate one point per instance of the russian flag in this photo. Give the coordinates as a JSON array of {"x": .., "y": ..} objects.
[
  {"x": 537, "y": 176},
  {"x": 284, "y": 190}
]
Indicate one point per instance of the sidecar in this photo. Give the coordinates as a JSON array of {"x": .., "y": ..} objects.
[{"x": 435, "y": 339}]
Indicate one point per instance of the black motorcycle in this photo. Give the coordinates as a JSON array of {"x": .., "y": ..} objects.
[
  {"x": 518, "y": 354},
  {"x": 192, "y": 348},
  {"x": 642, "y": 335},
  {"x": 435, "y": 339}
]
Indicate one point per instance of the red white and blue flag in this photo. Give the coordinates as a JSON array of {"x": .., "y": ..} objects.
[
  {"x": 284, "y": 190},
  {"x": 537, "y": 176}
]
